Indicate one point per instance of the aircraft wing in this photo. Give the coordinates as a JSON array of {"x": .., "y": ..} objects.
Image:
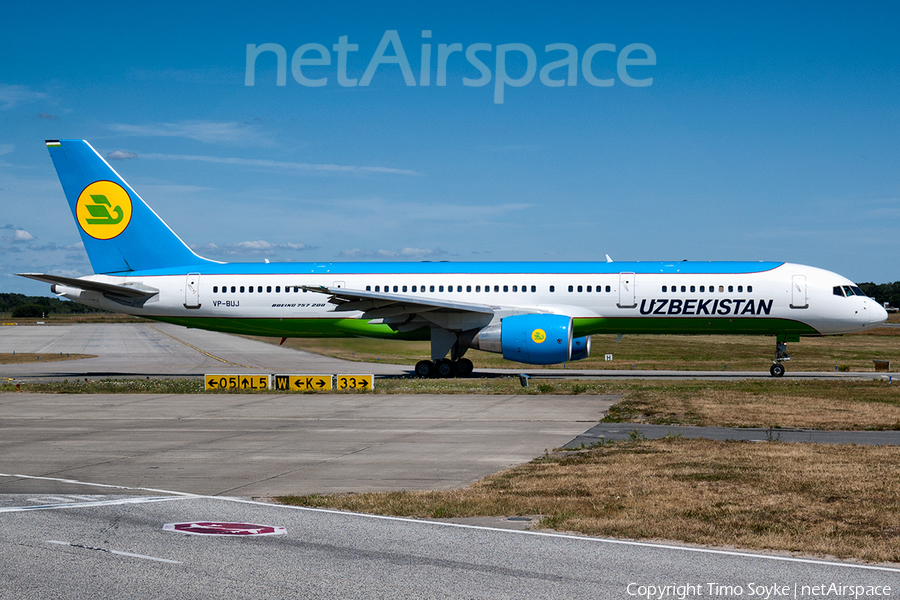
[
  {"x": 405, "y": 312},
  {"x": 107, "y": 289},
  {"x": 372, "y": 304}
]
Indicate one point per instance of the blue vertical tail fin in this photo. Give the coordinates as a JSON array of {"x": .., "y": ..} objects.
[{"x": 120, "y": 232}]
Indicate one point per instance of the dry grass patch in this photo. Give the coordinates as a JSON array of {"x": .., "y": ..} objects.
[
  {"x": 8, "y": 358},
  {"x": 850, "y": 404},
  {"x": 839, "y": 501}
]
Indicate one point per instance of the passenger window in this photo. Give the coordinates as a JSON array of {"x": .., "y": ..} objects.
[
  {"x": 552, "y": 288},
  {"x": 570, "y": 288},
  {"x": 414, "y": 288},
  {"x": 505, "y": 288},
  {"x": 730, "y": 288},
  {"x": 588, "y": 289},
  {"x": 268, "y": 289},
  {"x": 692, "y": 288},
  {"x": 215, "y": 289},
  {"x": 579, "y": 288},
  {"x": 242, "y": 289},
  {"x": 250, "y": 289},
  {"x": 740, "y": 288},
  {"x": 683, "y": 288},
  {"x": 377, "y": 288},
  {"x": 721, "y": 288},
  {"x": 440, "y": 288},
  {"x": 664, "y": 289},
  {"x": 396, "y": 288},
  {"x": 468, "y": 288},
  {"x": 259, "y": 289},
  {"x": 608, "y": 289},
  {"x": 477, "y": 288},
  {"x": 496, "y": 288},
  {"x": 702, "y": 288},
  {"x": 515, "y": 288},
  {"x": 749, "y": 288}
]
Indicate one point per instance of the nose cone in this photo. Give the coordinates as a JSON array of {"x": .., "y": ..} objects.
[{"x": 877, "y": 314}]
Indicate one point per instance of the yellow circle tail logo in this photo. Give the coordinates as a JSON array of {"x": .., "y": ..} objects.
[
  {"x": 103, "y": 210},
  {"x": 538, "y": 335}
]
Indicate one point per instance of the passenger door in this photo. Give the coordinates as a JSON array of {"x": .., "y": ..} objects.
[
  {"x": 192, "y": 291},
  {"x": 799, "y": 296},
  {"x": 626, "y": 291}
]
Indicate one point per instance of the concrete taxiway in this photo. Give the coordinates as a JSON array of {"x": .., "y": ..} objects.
[{"x": 271, "y": 444}]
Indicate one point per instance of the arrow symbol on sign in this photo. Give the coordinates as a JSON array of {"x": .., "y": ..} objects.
[
  {"x": 321, "y": 383},
  {"x": 244, "y": 382}
]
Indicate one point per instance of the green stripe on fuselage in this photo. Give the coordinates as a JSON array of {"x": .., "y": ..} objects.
[
  {"x": 304, "y": 328},
  {"x": 690, "y": 326},
  {"x": 337, "y": 328}
]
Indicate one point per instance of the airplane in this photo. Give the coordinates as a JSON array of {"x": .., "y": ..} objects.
[{"x": 538, "y": 313}]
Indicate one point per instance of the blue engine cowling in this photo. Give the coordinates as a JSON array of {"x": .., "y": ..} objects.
[
  {"x": 541, "y": 340},
  {"x": 536, "y": 339}
]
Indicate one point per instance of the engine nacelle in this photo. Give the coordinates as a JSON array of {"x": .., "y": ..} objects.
[{"x": 535, "y": 339}]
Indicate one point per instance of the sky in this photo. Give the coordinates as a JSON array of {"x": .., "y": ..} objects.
[{"x": 702, "y": 131}]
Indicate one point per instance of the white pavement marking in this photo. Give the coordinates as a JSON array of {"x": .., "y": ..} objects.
[
  {"x": 139, "y": 500},
  {"x": 119, "y": 552},
  {"x": 184, "y": 495}
]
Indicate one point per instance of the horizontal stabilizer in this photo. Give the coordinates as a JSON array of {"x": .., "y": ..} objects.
[{"x": 108, "y": 289}]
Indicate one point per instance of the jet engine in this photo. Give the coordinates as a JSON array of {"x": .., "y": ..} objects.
[{"x": 534, "y": 339}]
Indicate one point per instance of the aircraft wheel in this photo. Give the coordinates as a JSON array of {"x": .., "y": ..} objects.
[
  {"x": 777, "y": 370},
  {"x": 425, "y": 368},
  {"x": 445, "y": 368},
  {"x": 464, "y": 367}
]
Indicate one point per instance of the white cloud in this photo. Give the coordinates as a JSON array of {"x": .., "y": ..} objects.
[
  {"x": 121, "y": 155},
  {"x": 10, "y": 95},
  {"x": 202, "y": 131},
  {"x": 403, "y": 253},
  {"x": 248, "y": 248},
  {"x": 276, "y": 164},
  {"x": 22, "y": 236}
]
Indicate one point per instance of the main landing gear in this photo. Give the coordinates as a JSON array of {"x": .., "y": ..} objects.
[
  {"x": 781, "y": 355},
  {"x": 444, "y": 368}
]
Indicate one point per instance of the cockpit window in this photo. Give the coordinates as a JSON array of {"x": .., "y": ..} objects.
[{"x": 848, "y": 290}]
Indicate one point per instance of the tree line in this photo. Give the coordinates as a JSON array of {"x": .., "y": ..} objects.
[
  {"x": 34, "y": 306},
  {"x": 883, "y": 292}
]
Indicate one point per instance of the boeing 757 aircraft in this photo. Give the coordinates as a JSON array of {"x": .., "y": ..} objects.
[{"x": 539, "y": 313}]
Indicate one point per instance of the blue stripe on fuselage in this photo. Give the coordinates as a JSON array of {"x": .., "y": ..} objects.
[{"x": 477, "y": 268}]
